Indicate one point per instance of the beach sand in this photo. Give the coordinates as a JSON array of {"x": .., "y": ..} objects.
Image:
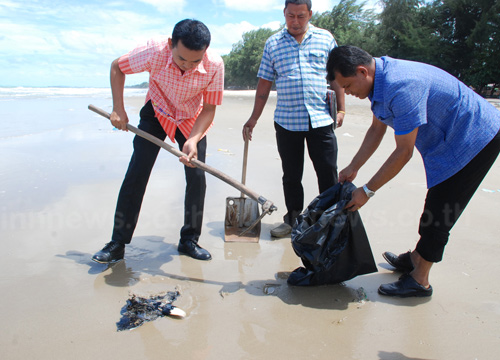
[{"x": 58, "y": 194}]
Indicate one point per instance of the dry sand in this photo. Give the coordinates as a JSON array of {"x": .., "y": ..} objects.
[{"x": 58, "y": 304}]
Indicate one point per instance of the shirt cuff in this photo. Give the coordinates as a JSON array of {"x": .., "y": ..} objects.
[
  {"x": 213, "y": 97},
  {"x": 124, "y": 64}
]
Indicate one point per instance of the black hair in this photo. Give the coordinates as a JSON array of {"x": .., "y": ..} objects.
[
  {"x": 345, "y": 60},
  {"x": 299, "y": 2},
  {"x": 193, "y": 34}
]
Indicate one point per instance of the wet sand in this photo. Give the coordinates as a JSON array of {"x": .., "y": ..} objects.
[{"x": 57, "y": 209}]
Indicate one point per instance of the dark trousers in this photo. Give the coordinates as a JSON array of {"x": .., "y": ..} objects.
[
  {"x": 137, "y": 176},
  {"x": 446, "y": 201},
  {"x": 322, "y": 148}
]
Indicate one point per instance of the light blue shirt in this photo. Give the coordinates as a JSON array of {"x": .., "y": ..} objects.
[
  {"x": 454, "y": 122},
  {"x": 300, "y": 74}
]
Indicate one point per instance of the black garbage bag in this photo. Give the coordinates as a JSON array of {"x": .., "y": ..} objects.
[{"x": 331, "y": 242}]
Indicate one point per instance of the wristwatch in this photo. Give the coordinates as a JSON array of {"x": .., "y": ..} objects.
[{"x": 368, "y": 192}]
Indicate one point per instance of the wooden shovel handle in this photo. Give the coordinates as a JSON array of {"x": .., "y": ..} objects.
[
  {"x": 245, "y": 157},
  {"x": 266, "y": 204}
]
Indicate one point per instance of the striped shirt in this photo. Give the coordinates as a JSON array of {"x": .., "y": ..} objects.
[
  {"x": 454, "y": 123},
  {"x": 300, "y": 74},
  {"x": 177, "y": 98}
]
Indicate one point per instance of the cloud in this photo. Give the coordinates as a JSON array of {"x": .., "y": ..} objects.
[
  {"x": 62, "y": 47},
  {"x": 106, "y": 33},
  {"x": 43, "y": 42},
  {"x": 115, "y": 33},
  {"x": 322, "y": 5},
  {"x": 8, "y": 4},
  {"x": 23, "y": 39},
  {"x": 167, "y": 6},
  {"x": 267, "y": 5},
  {"x": 254, "y": 5},
  {"x": 224, "y": 36},
  {"x": 273, "y": 25}
]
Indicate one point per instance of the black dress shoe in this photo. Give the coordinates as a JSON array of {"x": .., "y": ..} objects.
[
  {"x": 406, "y": 286},
  {"x": 111, "y": 253},
  {"x": 401, "y": 262},
  {"x": 194, "y": 250}
]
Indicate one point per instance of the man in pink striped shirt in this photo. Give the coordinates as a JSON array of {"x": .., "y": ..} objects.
[{"x": 186, "y": 84}]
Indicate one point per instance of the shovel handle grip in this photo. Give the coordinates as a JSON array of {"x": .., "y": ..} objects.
[{"x": 266, "y": 204}]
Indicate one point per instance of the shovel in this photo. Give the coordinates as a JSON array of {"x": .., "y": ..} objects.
[
  {"x": 267, "y": 206},
  {"x": 242, "y": 223}
]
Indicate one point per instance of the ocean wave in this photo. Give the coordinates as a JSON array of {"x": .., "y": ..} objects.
[{"x": 58, "y": 92}]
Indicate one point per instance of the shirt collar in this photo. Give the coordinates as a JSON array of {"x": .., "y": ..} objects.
[
  {"x": 310, "y": 30},
  {"x": 200, "y": 68},
  {"x": 377, "y": 93}
]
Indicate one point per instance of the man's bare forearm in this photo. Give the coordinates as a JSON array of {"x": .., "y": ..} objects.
[
  {"x": 117, "y": 80},
  {"x": 261, "y": 96}
]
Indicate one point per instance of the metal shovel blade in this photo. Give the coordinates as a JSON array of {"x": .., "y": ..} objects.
[
  {"x": 241, "y": 213},
  {"x": 242, "y": 223}
]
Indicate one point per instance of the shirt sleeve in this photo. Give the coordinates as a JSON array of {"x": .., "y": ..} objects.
[
  {"x": 333, "y": 44},
  {"x": 215, "y": 90},
  {"x": 409, "y": 108},
  {"x": 137, "y": 60},
  {"x": 266, "y": 69}
]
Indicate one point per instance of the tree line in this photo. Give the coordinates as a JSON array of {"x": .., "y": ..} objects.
[{"x": 461, "y": 37}]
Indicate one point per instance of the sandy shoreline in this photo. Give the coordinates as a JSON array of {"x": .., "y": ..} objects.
[{"x": 58, "y": 198}]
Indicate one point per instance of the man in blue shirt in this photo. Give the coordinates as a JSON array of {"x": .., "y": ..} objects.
[
  {"x": 455, "y": 130},
  {"x": 296, "y": 59}
]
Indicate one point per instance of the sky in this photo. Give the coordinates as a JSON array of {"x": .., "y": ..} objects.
[{"x": 72, "y": 43}]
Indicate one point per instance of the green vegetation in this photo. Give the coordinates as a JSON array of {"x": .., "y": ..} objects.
[
  {"x": 459, "y": 36},
  {"x": 143, "y": 85},
  {"x": 242, "y": 63}
]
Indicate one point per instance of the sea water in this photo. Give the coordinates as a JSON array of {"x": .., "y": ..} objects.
[
  {"x": 49, "y": 141},
  {"x": 27, "y": 111}
]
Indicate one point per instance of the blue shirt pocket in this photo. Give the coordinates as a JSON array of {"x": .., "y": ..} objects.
[{"x": 317, "y": 60}]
